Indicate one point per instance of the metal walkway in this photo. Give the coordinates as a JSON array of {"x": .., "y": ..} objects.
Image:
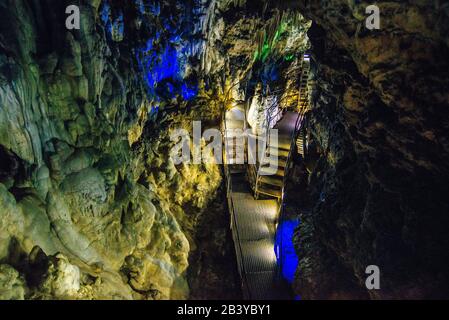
[
  {"x": 253, "y": 224},
  {"x": 253, "y": 221},
  {"x": 254, "y": 228}
]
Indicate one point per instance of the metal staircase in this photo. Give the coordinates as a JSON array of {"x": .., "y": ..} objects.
[
  {"x": 234, "y": 141},
  {"x": 301, "y": 144},
  {"x": 254, "y": 222},
  {"x": 264, "y": 179},
  {"x": 303, "y": 99}
]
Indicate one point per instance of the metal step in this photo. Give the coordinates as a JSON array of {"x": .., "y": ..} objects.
[
  {"x": 281, "y": 163},
  {"x": 230, "y": 136},
  {"x": 234, "y": 144},
  {"x": 300, "y": 145},
  {"x": 276, "y": 181},
  {"x": 281, "y": 153},
  {"x": 266, "y": 190},
  {"x": 283, "y": 144},
  {"x": 235, "y": 161},
  {"x": 265, "y": 171}
]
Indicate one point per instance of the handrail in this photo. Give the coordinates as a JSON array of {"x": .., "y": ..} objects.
[
  {"x": 273, "y": 110},
  {"x": 298, "y": 126},
  {"x": 271, "y": 115},
  {"x": 299, "y": 121},
  {"x": 239, "y": 251}
]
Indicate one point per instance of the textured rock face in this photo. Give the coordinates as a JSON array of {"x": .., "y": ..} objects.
[
  {"x": 379, "y": 117},
  {"x": 12, "y": 286},
  {"x": 92, "y": 207},
  {"x": 85, "y": 214}
]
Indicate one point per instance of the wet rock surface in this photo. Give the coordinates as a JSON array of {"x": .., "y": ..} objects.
[
  {"x": 92, "y": 206},
  {"x": 379, "y": 117}
]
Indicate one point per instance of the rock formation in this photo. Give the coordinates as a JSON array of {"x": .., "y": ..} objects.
[
  {"x": 380, "y": 186},
  {"x": 89, "y": 209},
  {"x": 93, "y": 207}
]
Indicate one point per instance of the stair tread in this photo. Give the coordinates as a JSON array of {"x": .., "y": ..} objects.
[
  {"x": 282, "y": 153},
  {"x": 272, "y": 180},
  {"x": 282, "y": 145},
  {"x": 265, "y": 171},
  {"x": 280, "y": 162},
  {"x": 235, "y": 125},
  {"x": 269, "y": 191}
]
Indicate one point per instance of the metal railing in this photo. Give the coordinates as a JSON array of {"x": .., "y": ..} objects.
[
  {"x": 303, "y": 108},
  {"x": 273, "y": 111},
  {"x": 235, "y": 234}
]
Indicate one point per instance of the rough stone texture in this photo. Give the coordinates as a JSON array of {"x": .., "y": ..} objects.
[
  {"x": 379, "y": 118},
  {"x": 88, "y": 209},
  {"x": 92, "y": 207},
  {"x": 12, "y": 285},
  {"x": 213, "y": 273},
  {"x": 247, "y": 46}
]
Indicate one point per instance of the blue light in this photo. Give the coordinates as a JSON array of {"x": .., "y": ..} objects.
[
  {"x": 119, "y": 27},
  {"x": 154, "y": 110},
  {"x": 140, "y": 6},
  {"x": 106, "y": 17},
  {"x": 285, "y": 250},
  {"x": 175, "y": 38},
  {"x": 171, "y": 89},
  {"x": 189, "y": 93},
  {"x": 164, "y": 58},
  {"x": 165, "y": 66},
  {"x": 105, "y": 12},
  {"x": 269, "y": 75},
  {"x": 155, "y": 8},
  {"x": 112, "y": 25}
]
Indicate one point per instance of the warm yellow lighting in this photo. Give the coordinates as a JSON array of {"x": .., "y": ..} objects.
[{"x": 268, "y": 252}]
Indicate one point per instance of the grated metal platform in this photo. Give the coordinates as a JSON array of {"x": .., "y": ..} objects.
[
  {"x": 254, "y": 230},
  {"x": 253, "y": 224}
]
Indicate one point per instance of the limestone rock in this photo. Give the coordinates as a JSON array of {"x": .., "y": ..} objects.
[{"x": 12, "y": 284}]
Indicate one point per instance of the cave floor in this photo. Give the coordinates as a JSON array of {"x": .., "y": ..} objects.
[{"x": 254, "y": 223}]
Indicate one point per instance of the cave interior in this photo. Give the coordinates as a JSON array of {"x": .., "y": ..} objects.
[{"x": 316, "y": 136}]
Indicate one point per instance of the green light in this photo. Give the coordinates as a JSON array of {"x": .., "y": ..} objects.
[
  {"x": 289, "y": 57},
  {"x": 264, "y": 52}
]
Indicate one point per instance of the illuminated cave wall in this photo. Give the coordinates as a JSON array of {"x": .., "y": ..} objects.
[
  {"x": 171, "y": 43},
  {"x": 93, "y": 205},
  {"x": 379, "y": 186},
  {"x": 94, "y": 208}
]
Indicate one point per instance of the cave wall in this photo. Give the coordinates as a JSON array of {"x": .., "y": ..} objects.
[
  {"x": 380, "y": 110},
  {"x": 92, "y": 207}
]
